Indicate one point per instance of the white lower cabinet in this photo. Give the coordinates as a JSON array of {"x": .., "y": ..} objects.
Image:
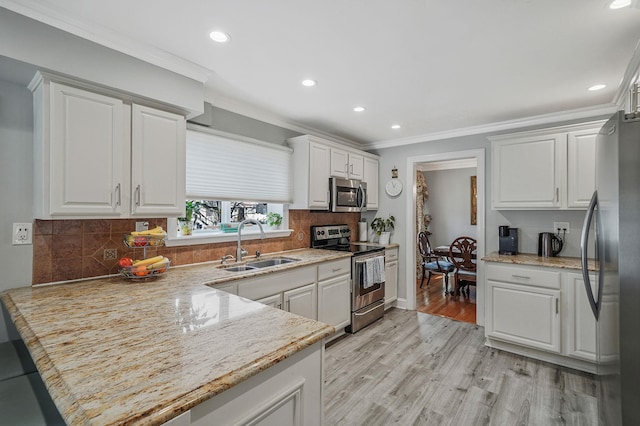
[
  {"x": 302, "y": 301},
  {"x": 274, "y": 301},
  {"x": 334, "y": 296},
  {"x": 540, "y": 312},
  {"x": 391, "y": 274}
]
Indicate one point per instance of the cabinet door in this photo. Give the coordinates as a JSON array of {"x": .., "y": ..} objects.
[
  {"x": 580, "y": 322},
  {"x": 527, "y": 172},
  {"x": 339, "y": 163},
  {"x": 274, "y": 301},
  {"x": 319, "y": 164},
  {"x": 302, "y": 301},
  {"x": 370, "y": 176},
  {"x": 334, "y": 301},
  {"x": 87, "y": 142},
  {"x": 158, "y": 156},
  {"x": 356, "y": 166},
  {"x": 391, "y": 284},
  {"x": 526, "y": 315},
  {"x": 581, "y": 167}
]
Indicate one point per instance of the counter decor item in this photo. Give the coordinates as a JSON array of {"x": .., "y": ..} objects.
[
  {"x": 383, "y": 228},
  {"x": 145, "y": 267},
  {"x": 274, "y": 220},
  {"x": 185, "y": 223},
  {"x": 393, "y": 188},
  {"x": 363, "y": 231}
]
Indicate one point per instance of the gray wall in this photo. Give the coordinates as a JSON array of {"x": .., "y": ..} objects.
[
  {"x": 449, "y": 205},
  {"x": 16, "y": 182},
  {"x": 529, "y": 222}
]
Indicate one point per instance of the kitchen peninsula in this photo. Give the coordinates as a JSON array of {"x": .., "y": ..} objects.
[{"x": 112, "y": 351}]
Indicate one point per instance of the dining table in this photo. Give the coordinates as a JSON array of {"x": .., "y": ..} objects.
[{"x": 444, "y": 251}]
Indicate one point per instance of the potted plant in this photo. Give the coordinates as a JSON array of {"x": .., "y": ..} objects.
[
  {"x": 383, "y": 228},
  {"x": 274, "y": 220},
  {"x": 185, "y": 223}
]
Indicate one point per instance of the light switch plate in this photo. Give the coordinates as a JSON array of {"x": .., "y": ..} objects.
[{"x": 22, "y": 234}]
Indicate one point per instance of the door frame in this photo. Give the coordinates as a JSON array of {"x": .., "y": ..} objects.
[{"x": 410, "y": 268}]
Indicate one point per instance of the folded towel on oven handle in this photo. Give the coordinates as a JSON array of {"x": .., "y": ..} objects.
[{"x": 373, "y": 272}]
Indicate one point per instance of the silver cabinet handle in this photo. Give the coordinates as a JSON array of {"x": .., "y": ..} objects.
[
  {"x": 119, "y": 196},
  {"x": 557, "y": 195},
  {"x": 557, "y": 302},
  {"x": 138, "y": 195},
  {"x": 521, "y": 277}
]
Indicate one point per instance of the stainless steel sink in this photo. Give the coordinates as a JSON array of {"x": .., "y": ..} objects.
[
  {"x": 240, "y": 268},
  {"x": 271, "y": 262}
]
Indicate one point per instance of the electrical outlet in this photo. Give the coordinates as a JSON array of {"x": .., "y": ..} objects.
[
  {"x": 110, "y": 254},
  {"x": 561, "y": 227},
  {"x": 22, "y": 234},
  {"x": 142, "y": 226}
]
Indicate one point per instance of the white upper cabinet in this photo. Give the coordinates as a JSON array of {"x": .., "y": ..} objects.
[
  {"x": 158, "y": 153},
  {"x": 546, "y": 169},
  {"x": 315, "y": 160},
  {"x": 97, "y": 156},
  {"x": 370, "y": 176}
]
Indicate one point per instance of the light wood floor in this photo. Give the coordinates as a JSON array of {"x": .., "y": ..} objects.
[
  {"x": 410, "y": 368},
  {"x": 432, "y": 300}
]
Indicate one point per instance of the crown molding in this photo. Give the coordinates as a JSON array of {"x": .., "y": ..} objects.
[
  {"x": 575, "y": 114},
  {"x": 56, "y": 18},
  {"x": 630, "y": 76},
  {"x": 462, "y": 163}
]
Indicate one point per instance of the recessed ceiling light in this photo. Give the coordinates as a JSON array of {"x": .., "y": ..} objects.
[
  {"x": 219, "y": 36},
  {"x": 619, "y": 4},
  {"x": 597, "y": 87},
  {"x": 395, "y": 126},
  {"x": 308, "y": 82},
  {"x": 359, "y": 109}
]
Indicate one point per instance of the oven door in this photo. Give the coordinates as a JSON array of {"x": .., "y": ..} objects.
[
  {"x": 348, "y": 195},
  {"x": 362, "y": 296}
]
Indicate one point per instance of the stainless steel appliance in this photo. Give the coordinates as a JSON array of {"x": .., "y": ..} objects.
[
  {"x": 614, "y": 297},
  {"x": 508, "y": 240},
  {"x": 347, "y": 195},
  {"x": 549, "y": 244},
  {"x": 367, "y": 301}
]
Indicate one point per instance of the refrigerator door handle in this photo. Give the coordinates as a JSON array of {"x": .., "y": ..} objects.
[{"x": 584, "y": 240}]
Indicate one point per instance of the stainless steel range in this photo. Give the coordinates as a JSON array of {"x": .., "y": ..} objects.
[{"x": 367, "y": 273}]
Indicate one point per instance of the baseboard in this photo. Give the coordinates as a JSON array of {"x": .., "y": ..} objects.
[{"x": 401, "y": 303}]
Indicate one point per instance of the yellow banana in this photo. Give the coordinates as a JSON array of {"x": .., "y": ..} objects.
[
  {"x": 149, "y": 261},
  {"x": 155, "y": 231},
  {"x": 158, "y": 265}
]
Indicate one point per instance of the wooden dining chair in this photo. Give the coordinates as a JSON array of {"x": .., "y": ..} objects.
[
  {"x": 462, "y": 253},
  {"x": 432, "y": 263}
]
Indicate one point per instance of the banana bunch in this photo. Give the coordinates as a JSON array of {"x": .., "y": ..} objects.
[{"x": 157, "y": 231}]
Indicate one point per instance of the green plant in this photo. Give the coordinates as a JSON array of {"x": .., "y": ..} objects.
[
  {"x": 189, "y": 207},
  {"x": 274, "y": 219},
  {"x": 381, "y": 225}
]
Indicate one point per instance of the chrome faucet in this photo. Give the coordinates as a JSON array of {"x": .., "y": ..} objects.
[{"x": 239, "y": 251}]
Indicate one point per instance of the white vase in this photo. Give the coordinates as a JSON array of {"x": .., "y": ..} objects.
[{"x": 384, "y": 238}]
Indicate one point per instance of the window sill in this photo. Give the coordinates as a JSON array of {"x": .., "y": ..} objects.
[{"x": 191, "y": 240}]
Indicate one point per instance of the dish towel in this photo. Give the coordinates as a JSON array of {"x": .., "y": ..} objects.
[{"x": 373, "y": 272}]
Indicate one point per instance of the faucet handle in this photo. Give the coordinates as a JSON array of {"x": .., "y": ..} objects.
[
  {"x": 225, "y": 257},
  {"x": 258, "y": 254}
]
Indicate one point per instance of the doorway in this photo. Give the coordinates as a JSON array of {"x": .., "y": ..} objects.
[{"x": 414, "y": 165}]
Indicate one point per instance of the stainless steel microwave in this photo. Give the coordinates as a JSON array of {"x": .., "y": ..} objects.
[{"x": 347, "y": 195}]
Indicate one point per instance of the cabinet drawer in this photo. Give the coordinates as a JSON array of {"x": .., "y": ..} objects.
[
  {"x": 276, "y": 282},
  {"x": 391, "y": 255},
  {"x": 334, "y": 268},
  {"x": 518, "y": 275}
]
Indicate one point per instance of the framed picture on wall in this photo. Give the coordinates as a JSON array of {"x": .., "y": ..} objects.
[{"x": 474, "y": 201}]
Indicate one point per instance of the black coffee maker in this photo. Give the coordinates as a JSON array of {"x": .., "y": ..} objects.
[{"x": 508, "y": 240}]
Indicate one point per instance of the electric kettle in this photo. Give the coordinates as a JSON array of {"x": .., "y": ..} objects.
[{"x": 549, "y": 245}]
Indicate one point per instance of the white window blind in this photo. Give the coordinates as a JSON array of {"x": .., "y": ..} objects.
[{"x": 225, "y": 167}]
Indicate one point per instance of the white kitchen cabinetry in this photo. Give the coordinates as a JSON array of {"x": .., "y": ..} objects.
[
  {"x": 100, "y": 156},
  {"x": 270, "y": 289},
  {"x": 391, "y": 274},
  {"x": 275, "y": 301},
  {"x": 334, "y": 294},
  {"x": 346, "y": 165},
  {"x": 546, "y": 169},
  {"x": 302, "y": 301},
  {"x": 370, "y": 176},
  {"x": 315, "y": 160},
  {"x": 540, "y": 312},
  {"x": 580, "y": 324}
]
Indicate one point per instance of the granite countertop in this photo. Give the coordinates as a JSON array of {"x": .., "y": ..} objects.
[
  {"x": 371, "y": 243},
  {"x": 535, "y": 260},
  {"x": 114, "y": 351}
]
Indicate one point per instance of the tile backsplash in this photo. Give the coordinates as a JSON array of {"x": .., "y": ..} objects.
[{"x": 74, "y": 249}]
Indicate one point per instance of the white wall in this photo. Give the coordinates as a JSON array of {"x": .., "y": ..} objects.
[
  {"x": 449, "y": 205},
  {"x": 16, "y": 182}
]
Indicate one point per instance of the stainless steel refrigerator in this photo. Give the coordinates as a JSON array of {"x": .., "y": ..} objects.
[{"x": 613, "y": 223}]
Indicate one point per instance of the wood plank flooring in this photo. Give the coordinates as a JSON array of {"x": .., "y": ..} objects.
[
  {"x": 410, "y": 368},
  {"x": 432, "y": 300}
]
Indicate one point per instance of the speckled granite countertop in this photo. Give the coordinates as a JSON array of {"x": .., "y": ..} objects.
[
  {"x": 535, "y": 260},
  {"x": 113, "y": 351},
  {"x": 369, "y": 243}
]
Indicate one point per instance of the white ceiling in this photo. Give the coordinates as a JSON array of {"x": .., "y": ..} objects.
[{"x": 430, "y": 66}]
